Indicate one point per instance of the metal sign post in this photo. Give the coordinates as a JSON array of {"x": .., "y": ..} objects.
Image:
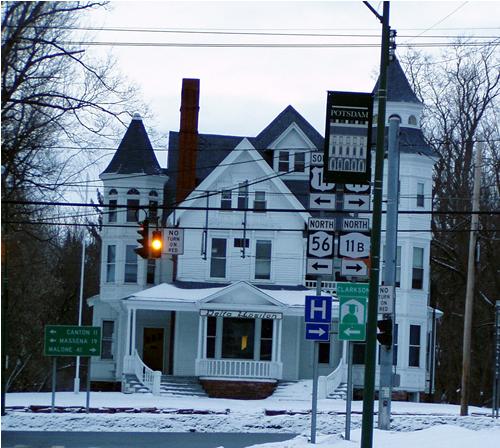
[
  {"x": 349, "y": 391},
  {"x": 317, "y": 317}
]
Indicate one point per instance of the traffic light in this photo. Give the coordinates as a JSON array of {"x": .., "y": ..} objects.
[
  {"x": 143, "y": 240},
  {"x": 156, "y": 244},
  {"x": 384, "y": 336}
]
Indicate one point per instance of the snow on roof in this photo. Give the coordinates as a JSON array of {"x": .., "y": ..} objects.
[{"x": 167, "y": 292}]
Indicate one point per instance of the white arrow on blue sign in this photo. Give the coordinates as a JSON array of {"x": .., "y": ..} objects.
[
  {"x": 317, "y": 332},
  {"x": 318, "y": 309}
]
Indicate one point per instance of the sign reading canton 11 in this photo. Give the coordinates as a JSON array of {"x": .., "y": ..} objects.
[{"x": 348, "y": 137}]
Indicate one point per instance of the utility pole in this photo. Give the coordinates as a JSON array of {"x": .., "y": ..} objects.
[
  {"x": 390, "y": 254},
  {"x": 471, "y": 274},
  {"x": 371, "y": 327}
]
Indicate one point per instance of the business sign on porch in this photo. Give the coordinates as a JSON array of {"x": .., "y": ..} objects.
[
  {"x": 348, "y": 137},
  {"x": 72, "y": 340},
  {"x": 174, "y": 241},
  {"x": 241, "y": 314}
]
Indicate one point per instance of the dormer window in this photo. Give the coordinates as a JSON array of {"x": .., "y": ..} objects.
[
  {"x": 412, "y": 120},
  {"x": 259, "y": 203},
  {"x": 299, "y": 164},
  {"x": 283, "y": 161},
  {"x": 226, "y": 199}
]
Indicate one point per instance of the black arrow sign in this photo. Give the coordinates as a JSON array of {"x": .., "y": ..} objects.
[
  {"x": 360, "y": 202},
  {"x": 319, "y": 266},
  {"x": 320, "y": 201},
  {"x": 356, "y": 268}
]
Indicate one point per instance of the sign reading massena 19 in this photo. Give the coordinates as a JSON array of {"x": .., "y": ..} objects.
[{"x": 72, "y": 340}]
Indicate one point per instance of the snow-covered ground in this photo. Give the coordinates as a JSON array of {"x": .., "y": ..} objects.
[{"x": 413, "y": 424}]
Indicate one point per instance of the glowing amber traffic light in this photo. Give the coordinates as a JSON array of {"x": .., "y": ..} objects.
[{"x": 156, "y": 244}]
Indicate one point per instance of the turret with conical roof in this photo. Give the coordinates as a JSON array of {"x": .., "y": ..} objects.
[{"x": 135, "y": 153}]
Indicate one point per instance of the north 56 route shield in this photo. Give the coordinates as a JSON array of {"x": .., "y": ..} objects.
[
  {"x": 348, "y": 137},
  {"x": 72, "y": 340}
]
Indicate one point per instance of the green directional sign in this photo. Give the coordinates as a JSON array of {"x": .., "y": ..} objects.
[
  {"x": 348, "y": 289},
  {"x": 72, "y": 340},
  {"x": 353, "y": 300}
]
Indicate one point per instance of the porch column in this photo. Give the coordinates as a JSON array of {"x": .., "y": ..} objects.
[
  {"x": 274, "y": 351},
  {"x": 128, "y": 331},
  {"x": 256, "y": 339},
  {"x": 134, "y": 327},
  {"x": 201, "y": 328},
  {"x": 278, "y": 347}
]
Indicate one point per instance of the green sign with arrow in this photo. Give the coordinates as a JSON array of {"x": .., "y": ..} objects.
[
  {"x": 353, "y": 300},
  {"x": 72, "y": 340}
]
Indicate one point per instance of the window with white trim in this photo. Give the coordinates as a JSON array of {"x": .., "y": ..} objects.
[
  {"x": 420, "y": 194},
  {"x": 226, "y": 199},
  {"x": 112, "y": 206},
  {"x": 414, "y": 350},
  {"x": 218, "y": 258},
  {"x": 110, "y": 263},
  {"x": 108, "y": 328},
  {"x": 299, "y": 162},
  {"x": 263, "y": 259},
  {"x": 259, "y": 203},
  {"x": 130, "y": 265},
  {"x": 417, "y": 276},
  {"x": 266, "y": 340},
  {"x": 243, "y": 195},
  {"x": 283, "y": 161}
]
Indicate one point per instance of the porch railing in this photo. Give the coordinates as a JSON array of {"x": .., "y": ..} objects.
[
  {"x": 332, "y": 381},
  {"x": 148, "y": 377},
  {"x": 239, "y": 368}
]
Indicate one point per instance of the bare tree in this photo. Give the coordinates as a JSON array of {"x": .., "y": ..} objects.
[
  {"x": 53, "y": 94},
  {"x": 461, "y": 93}
]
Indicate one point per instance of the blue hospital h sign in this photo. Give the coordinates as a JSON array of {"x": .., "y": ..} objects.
[{"x": 318, "y": 309}]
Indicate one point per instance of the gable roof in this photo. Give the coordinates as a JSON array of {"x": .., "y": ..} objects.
[
  {"x": 244, "y": 148},
  {"x": 398, "y": 87},
  {"x": 135, "y": 153},
  {"x": 281, "y": 123}
]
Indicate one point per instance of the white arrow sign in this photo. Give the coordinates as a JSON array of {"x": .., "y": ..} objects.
[
  {"x": 354, "y": 245},
  {"x": 322, "y": 201},
  {"x": 357, "y": 202},
  {"x": 319, "y": 266},
  {"x": 350, "y": 331},
  {"x": 319, "y": 331},
  {"x": 354, "y": 268}
]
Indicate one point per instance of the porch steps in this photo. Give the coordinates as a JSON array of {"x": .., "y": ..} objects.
[
  {"x": 340, "y": 393},
  {"x": 170, "y": 386},
  {"x": 181, "y": 386}
]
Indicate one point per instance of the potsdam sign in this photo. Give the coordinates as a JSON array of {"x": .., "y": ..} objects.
[{"x": 348, "y": 138}]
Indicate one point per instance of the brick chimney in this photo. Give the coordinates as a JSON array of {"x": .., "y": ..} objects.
[{"x": 188, "y": 138}]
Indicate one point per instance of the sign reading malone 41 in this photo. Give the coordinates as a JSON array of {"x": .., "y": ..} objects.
[{"x": 72, "y": 340}]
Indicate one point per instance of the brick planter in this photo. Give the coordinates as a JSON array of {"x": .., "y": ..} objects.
[{"x": 243, "y": 390}]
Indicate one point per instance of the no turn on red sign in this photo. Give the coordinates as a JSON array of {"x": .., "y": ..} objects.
[{"x": 174, "y": 241}]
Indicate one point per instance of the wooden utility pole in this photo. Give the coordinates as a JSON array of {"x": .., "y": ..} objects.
[{"x": 471, "y": 274}]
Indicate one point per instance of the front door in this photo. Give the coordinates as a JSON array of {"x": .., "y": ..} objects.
[{"x": 152, "y": 353}]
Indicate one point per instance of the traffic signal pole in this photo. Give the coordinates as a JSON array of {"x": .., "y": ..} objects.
[
  {"x": 390, "y": 255},
  {"x": 371, "y": 327}
]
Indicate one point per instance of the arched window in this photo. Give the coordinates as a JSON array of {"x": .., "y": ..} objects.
[
  {"x": 112, "y": 192},
  {"x": 132, "y": 206},
  {"x": 412, "y": 120},
  {"x": 153, "y": 193}
]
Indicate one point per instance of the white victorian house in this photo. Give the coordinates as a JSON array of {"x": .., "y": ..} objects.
[{"x": 228, "y": 312}]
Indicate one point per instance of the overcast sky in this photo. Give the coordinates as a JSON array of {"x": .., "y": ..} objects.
[{"x": 243, "y": 89}]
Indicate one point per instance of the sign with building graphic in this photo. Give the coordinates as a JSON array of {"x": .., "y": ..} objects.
[
  {"x": 348, "y": 137},
  {"x": 353, "y": 301}
]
